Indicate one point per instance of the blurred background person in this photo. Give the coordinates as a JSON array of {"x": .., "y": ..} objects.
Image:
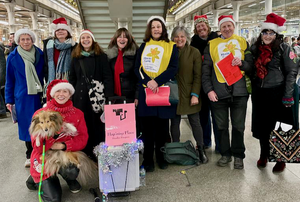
[
  {"x": 189, "y": 85},
  {"x": 2, "y": 80},
  {"x": 12, "y": 43},
  {"x": 24, "y": 83}
]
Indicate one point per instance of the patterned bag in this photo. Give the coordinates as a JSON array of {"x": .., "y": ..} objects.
[
  {"x": 96, "y": 92},
  {"x": 285, "y": 146}
]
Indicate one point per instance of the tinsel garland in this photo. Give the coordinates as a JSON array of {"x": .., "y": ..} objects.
[{"x": 108, "y": 156}]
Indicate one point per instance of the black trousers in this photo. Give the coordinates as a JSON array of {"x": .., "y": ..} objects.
[
  {"x": 156, "y": 133},
  {"x": 29, "y": 149},
  {"x": 51, "y": 189}
]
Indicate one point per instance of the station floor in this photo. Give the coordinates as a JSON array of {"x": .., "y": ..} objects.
[{"x": 208, "y": 183}]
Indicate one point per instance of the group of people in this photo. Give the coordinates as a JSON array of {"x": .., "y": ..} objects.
[{"x": 126, "y": 70}]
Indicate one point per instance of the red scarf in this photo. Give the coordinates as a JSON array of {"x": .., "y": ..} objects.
[
  {"x": 119, "y": 68},
  {"x": 262, "y": 61}
]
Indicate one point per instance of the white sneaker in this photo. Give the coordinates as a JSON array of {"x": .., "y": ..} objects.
[{"x": 27, "y": 163}]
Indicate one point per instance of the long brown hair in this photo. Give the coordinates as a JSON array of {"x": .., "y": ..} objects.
[
  {"x": 94, "y": 47},
  {"x": 130, "y": 43},
  {"x": 164, "y": 34}
]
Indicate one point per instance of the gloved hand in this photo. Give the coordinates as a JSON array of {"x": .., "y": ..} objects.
[{"x": 288, "y": 101}]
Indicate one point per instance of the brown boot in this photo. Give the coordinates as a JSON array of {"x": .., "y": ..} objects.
[{"x": 279, "y": 167}]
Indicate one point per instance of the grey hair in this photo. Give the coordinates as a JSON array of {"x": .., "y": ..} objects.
[{"x": 183, "y": 29}]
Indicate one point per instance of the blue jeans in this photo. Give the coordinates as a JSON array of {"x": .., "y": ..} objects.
[
  {"x": 237, "y": 107},
  {"x": 2, "y": 105}
]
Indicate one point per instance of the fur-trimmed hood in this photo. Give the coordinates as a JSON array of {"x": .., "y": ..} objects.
[{"x": 113, "y": 52}]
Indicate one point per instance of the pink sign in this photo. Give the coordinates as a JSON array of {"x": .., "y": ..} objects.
[{"x": 119, "y": 124}]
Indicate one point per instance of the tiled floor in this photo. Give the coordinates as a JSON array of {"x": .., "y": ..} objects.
[{"x": 208, "y": 182}]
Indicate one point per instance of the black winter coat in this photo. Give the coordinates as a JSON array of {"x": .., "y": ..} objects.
[
  {"x": 282, "y": 70},
  {"x": 128, "y": 79},
  {"x": 96, "y": 67},
  {"x": 164, "y": 112},
  {"x": 200, "y": 44}
]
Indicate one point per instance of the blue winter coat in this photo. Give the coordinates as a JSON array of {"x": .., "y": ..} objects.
[
  {"x": 16, "y": 90},
  {"x": 166, "y": 112}
]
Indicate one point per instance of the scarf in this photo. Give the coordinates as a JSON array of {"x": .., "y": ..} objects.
[
  {"x": 32, "y": 80},
  {"x": 64, "y": 60},
  {"x": 262, "y": 61},
  {"x": 119, "y": 68},
  {"x": 66, "y": 109},
  {"x": 87, "y": 54}
]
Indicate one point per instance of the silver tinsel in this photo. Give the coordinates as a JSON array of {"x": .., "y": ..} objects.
[{"x": 108, "y": 156}]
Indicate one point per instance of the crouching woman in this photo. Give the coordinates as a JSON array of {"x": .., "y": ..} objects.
[{"x": 59, "y": 93}]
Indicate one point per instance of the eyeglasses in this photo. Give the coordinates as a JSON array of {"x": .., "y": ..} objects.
[{"x": 268, "y": 33}]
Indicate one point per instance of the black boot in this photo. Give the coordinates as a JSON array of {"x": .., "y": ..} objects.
[
  {"x": 202, "y": 156},
  {"x": 70, "y": 174}
]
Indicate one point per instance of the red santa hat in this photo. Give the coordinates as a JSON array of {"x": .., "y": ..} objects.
[
  {"x": 86, "y": 31},
  {"x": 60, "y": 23},
  {"x": 156, "y": 17},
  {"x": 200, "y": 18},
  {"x": 225, "y": 18},
  {"x": 274, "y": 22},
  {"x": 24, "y": 31},
  {"x": 56, "y": 85}
]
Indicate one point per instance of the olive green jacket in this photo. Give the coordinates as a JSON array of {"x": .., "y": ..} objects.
[{"x": 189, "y": 79}]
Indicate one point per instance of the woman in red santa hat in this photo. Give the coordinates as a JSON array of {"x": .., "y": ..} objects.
[
  {"x": 275, "y": 72},
  {"x": 89, "y": 56},
  {"x": 59, "y": 93},
  {"x": 57, "y": 51}
]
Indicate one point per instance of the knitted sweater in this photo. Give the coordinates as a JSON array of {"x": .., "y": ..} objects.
[{"x": 70, "y": 114}]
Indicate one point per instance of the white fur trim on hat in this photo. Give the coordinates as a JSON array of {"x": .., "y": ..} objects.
[
  {"x": 87, "y": 32},
  {"x": 62, "y": 85},
  {"x": 56, "y": 27},
  {"x": 272, "y": 26},
  {"x": 226, "y": 20},
  {"x": 24, "y": 31},
  {"x": 156, "y": 17}
]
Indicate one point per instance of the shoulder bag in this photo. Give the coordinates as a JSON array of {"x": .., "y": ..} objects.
[
  {"x": 285, "y": 146},
  {"x": 96, "y": 91},
  {"x": 182, "y": 153}
]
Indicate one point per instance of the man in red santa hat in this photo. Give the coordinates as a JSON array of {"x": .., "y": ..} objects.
[{"x": 228, "y": 99}]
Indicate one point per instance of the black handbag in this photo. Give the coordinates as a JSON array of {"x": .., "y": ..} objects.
[
  {"x": 285, "y": 146},
  {"x": 182, "y": 153},
  {"x": 96, "y": 91},
  {"x": 173, "y": 98}
]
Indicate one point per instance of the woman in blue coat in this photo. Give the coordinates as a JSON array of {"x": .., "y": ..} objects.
[{"x": 24, "y": 81}]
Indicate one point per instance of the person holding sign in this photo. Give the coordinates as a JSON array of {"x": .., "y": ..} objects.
[
  {"x": 156, "y": 64},
  {"x": 273, "y": 85},
  {"x": 224, "y": 97}
]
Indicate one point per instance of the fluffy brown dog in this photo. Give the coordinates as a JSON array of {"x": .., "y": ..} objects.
[{"x": 46, "y": 124}]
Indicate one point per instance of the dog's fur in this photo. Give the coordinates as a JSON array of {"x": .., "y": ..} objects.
[{"x": 47, "y": 124}]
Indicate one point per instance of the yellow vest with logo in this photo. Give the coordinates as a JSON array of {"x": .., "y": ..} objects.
[
  {"x": 156, "y": 57},
  {"x": 220, "y": 48}
]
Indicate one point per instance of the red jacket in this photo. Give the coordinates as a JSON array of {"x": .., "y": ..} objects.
[{"x": 70, "y": 114}]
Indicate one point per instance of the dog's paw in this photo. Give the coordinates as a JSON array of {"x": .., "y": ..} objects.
[{"x": 70, "y": 127}]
